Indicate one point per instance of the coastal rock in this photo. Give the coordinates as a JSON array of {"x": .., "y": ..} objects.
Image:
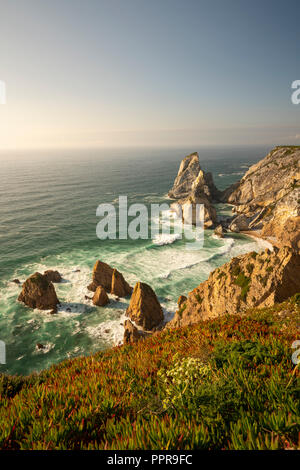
[
  {"x": 188, "y": 171},
  {"x": 38, "y": 292},
  {"x": 241, "y": 222},
  {"x": 144, "y": 308},
  {"x": 250, "y": 280},
  {"x": 193, "y": 187},
  {"x": 191, "y": 180},
  {"x": 269, "y": 194},
  {"x": 219, "y": 232},
  {"x": 109, "y": 278},
  {"x": 100, "y": 298},
  {"x": 119, "y": 286},
  {"x": 102, "y": 276},
  {"x": 16, "y": 281},
  {"x": 131, "y": 333},
  {"x": 288, "y": 233},
  {"x": 53, "y": 276},
  {"x": 181, "y": 300},
  {"x": 190, "y": 211}
]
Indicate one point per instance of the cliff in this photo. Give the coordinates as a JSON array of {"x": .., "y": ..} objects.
[
  {"x": 267, "y": 197},
  {"x": 250, "y": 280}
]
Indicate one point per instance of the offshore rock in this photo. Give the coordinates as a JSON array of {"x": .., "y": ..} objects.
[
  {"x": 144, "y": 308},
  {"x": 53, "y": 276},
  {"x": 192, "y": 180},
  {"x": 119, "y": 286},
  {"x": 109, "y": 278},
  {"x": 38, "y": 292},
  {"x": 100, "y": 298}
]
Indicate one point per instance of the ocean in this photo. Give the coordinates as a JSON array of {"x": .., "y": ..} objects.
[{"x": 48, "y": 202}]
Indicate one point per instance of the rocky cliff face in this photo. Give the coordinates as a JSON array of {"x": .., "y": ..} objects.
[
  {"x": 38, "y": 292},
  {"x": 193, "y": 186},
  {"x": 269, "y": 194},
  {"x": 249, "y": 280}
]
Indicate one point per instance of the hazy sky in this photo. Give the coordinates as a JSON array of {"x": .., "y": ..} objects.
[{"x": 84, "y": 73}]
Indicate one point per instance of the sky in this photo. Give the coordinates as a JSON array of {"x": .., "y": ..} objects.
[{"x": 102, "y": 73}]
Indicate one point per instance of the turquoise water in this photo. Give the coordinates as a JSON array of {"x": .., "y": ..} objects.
[{"x": 48, "y": 204}]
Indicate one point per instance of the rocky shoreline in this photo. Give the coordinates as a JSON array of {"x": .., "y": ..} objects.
[{"x": 265, "y": 205}]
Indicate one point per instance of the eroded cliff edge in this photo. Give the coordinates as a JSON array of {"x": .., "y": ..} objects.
[{"x": 267, "y": 199}]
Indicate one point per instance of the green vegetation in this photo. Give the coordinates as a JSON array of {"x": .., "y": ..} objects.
[
  {"x": 243, "y": 282},
  {"x": 250, "y": 267},
  {"x": 226, "y": 383},
  {"x": 181, "y": 310},
  {"x": 199, "y": 299}
]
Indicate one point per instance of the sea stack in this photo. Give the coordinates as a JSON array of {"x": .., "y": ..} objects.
[
  {"x": 38, "y": 292},
  {"x": 144, "y": 308},
  {"x": 110, "y": 279},
  {"x": 193, "y": 186}
]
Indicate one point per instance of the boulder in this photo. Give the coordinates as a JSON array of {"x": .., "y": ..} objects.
[
  {"x": 119, "y": 286},
  {"x": 144, "y": 308},
  {"x": 131, "y": 333},
  {"x": 241, "y": 222},
  {"x": 250, "y": 280},
  {"x": 219, "y": 232},
  {"x": 100, "y": 298},
  {"x": 53, "y": 276},
  {"x": 38, "y": 292}
]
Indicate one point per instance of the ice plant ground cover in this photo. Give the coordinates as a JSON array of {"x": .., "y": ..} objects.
[{"x": 226, "y": 383}]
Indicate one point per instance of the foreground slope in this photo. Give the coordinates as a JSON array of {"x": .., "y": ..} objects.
[{"x": 226, "y": 383}]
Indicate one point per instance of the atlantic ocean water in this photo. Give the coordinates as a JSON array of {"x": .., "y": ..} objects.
[{"x": 48, "y": 202}]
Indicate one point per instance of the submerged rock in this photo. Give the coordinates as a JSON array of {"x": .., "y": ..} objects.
[
  {"x": 38, "y": 292},
  {"x": 250, "y": 280},
  {"x": 100, "y": 297},
  {"x": 144, "y": 308},
  {"x": 53, "y": 276}
]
